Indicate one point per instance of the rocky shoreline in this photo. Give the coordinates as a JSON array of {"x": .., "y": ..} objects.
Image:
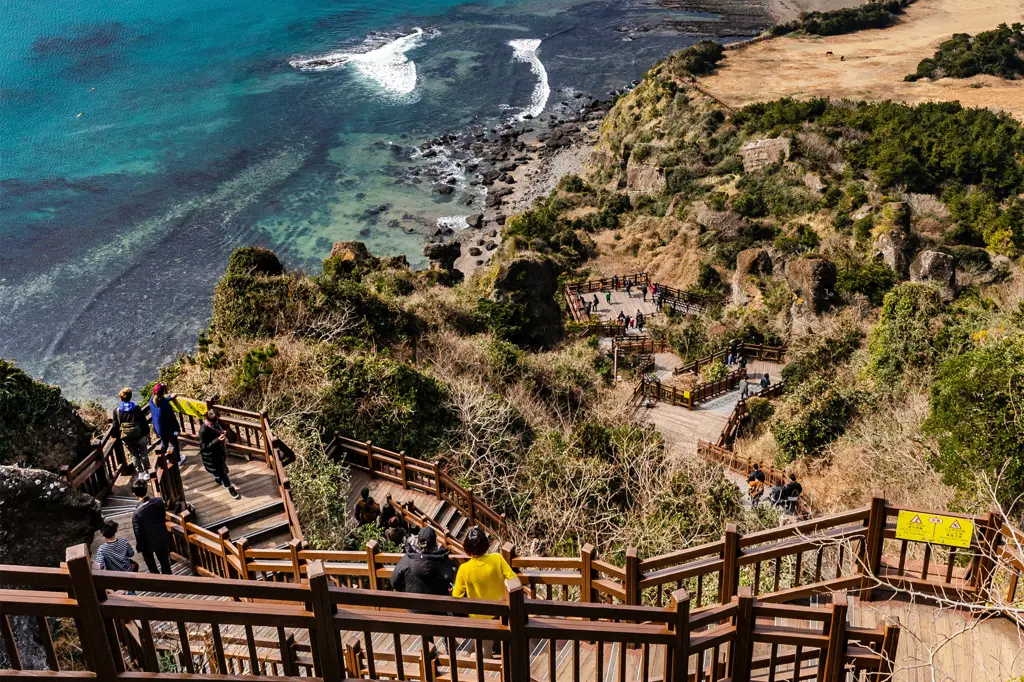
[{"x": 506, "y": 168}]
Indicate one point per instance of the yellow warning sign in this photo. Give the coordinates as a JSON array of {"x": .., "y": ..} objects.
[
  {"x": 935, "y": 528},
  {"x": 193, "y": 408}
]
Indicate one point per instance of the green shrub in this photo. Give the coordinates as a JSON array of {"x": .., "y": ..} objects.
[
  {"x": 903, "y": 339},
  {"x": 697, "y": 60},
  {"x": 750, "y": 205},
  {"x": 804, "y": 240},
  {"x": 254, "y": 365},
  {"x": 821, "y": 355},
  {"x": 713, "y": 371},
  {"x": 975, "y": 415},
  {"x": 254, "y": 260},
  {"x": 320, "y": 489},
  {"x": 871, "y": 278},
  {"x": 996, "y": 53},
  {"x": 817, "y": 413},
  {"x": 390, "y": 403},
  {"x": 923, "y": 148},
  {"x": 761, "y": 410},
  {"x": 874, "y": 14}
]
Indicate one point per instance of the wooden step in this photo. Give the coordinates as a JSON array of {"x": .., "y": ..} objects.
[
  {"x": 445, "y": 516},
  {"x": 231, "y": 523},
  {"x": 461, "y": 527}
]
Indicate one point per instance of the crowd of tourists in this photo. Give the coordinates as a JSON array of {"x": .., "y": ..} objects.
[
  {"x": 428, "y": 568},
  {"x": 591, "y": 305},
  {"x": 785, "y": 496},
  {"x": 131, "y": 429}
]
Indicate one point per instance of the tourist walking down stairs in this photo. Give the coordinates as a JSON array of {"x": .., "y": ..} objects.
[
  {"x": 152, "y": 538},
  {"x": 213, "y": 449},
  {"x": 131, "y": 428}
]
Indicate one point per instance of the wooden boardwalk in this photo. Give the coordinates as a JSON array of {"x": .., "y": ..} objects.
[
  {"x": 947, "y": 645},
  {"x": 257, "y": 514}
]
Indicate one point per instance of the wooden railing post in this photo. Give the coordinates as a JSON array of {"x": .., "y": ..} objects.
[
  {"x": 471, "y": 503},
  {"x": 742, "y": 648},
  {"x": 873, "y": 543},
  {"x": 193, "y": 551},
  {"x": 518, "y": 652},
  {"x": 371, "y": 562},
  {"x": 677, "y": 669},
  {"x": 405, "y": 475},
  {"x": 730, "y": 563},
  {"x": 328, "y": 659},
  {"x": 369, "y": 457},
  {"x": 294, "y": 547},
  {"x": 890, "y": 641},
  {"x": 835, "y": 656},
  {"x": 243, "y": 561},
  {"x": 587, "y": 573},
  {"x": 92, "y": 630},
  {"x": 989, "y": 545},
  {"x": 632, "y": 586},
  {"x": 225, "y": 539},
  {"x": 437, "y": 480},
  {"x": 508, "y": 552}
]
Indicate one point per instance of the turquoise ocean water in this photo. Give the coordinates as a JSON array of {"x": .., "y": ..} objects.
[{"x": 141, "y": 141}]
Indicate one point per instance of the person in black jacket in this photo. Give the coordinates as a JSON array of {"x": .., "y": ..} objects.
[
  {"x": 425, "y": 568},
  {"x": 212, "y": 448},
  {"x": 151, "y": 537}
]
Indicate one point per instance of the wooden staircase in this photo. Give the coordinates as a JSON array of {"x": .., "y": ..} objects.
[{"x": 265, "y": 526}]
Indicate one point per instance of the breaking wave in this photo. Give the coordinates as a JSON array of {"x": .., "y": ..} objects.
[
  {"x": 386, "y": 66},
  {"x": 525, "y": 50}
]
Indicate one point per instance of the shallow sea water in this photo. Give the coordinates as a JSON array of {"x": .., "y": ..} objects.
[{"x": 140, "y": 142}]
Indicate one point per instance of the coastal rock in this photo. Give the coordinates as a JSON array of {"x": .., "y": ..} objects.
[
  {"x": 531, "y": 281},
  {"x": 937, "y": 267},
  {"x": 474, "y": 251},
  {"x": 350, "y": 251},
  {"x": 476, "y": 220},
  {"x": 48, "y": 436},
  {"x": 759, "y": 154},
  {"x": 442, "y": 255},
  {"x": 814, "y": 280},
  {"x": 645, "y": 178},
  {"x": 753, "y": 262},
  {"x": 444, "y": 189},
  {"x": 891, "y": 247},
  {"x": 40, "y": 516}
]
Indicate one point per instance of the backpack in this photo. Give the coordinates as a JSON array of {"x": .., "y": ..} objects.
[
  {"x": 133, "y": 430},
  {"x": 755, "y": 488}
]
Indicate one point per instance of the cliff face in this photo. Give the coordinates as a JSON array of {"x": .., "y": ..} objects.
[{"x": 38, "y": 426}]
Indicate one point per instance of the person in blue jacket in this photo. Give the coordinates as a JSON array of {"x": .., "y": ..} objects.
[{"x": 165, "y": 423}]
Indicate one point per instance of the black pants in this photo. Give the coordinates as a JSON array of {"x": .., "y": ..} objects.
[
  {"x": 222, "y": 478},
  {"x": 164, "y": 555},
  {"x": 169, "y": 443}
]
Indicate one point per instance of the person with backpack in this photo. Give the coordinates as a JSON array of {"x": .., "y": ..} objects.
[
  {"x": 755, "y": 485},
  {"x": 213, "y": 449},
  {"x": 149, "y": 523},
  {"x": 367, "y": 510},
  {"x": 425, "y": 568},
  {"x": 131, "y": 428},
  {"x": 165, "y": 423}
]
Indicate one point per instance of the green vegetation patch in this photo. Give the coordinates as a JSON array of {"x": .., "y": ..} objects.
[
  {"x": 876, "y": 14},
  {"x": 995, "y": 53}
]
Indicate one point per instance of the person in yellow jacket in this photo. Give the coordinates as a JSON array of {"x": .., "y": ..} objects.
[{"x": 483, "y": 575}]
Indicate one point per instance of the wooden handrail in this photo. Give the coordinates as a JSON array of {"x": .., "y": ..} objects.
[{"x": 119, "y": 632}]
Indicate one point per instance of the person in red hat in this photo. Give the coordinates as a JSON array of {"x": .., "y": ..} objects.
[{"x": 165, "y": 423}]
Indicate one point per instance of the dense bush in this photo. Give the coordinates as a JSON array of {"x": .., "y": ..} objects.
[
  {"x": 696, "y": 60},
  {"x": 976, "y": 416},
  {"x": 803, "y": 240},
  {"x": 816, "y": 414},
  {"x": 871, "y": 278},
  {"x": 821, "y": 354},
  {"x": 254, "y": 260},
  {"x": 320, "y": 488},
  {"x": 996, "y": 53},
  {"x": 924, "y": 147},
  {"x": 875, "y": 14},
  {"x": 904, "y": 337},
  {"x": 390, "y": 403}
]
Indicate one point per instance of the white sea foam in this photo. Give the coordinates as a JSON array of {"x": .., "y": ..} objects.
[
  {"x": 456, "y": 222},
  {"x": 526, "y": 51},
  {"x": 386, "y": 65}
]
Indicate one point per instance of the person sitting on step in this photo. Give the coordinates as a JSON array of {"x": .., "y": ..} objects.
[{"x": 367, "y": 510}]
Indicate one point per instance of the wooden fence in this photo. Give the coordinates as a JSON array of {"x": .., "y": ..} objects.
[
  {"x": 416, "y": 474},
  {"x": 322, "y": 631},
  {"x": 741, "y": 412},
  {"x": 689, "y": 398},
  {"x": 751, "y": 351}
]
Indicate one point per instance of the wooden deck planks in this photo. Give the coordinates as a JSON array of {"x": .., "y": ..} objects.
[{"x": 941, "y": 644}]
